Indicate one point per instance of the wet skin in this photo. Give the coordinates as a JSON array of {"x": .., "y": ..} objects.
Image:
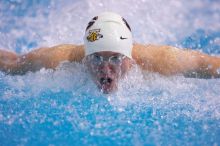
[{"x": 107, "y": 68}]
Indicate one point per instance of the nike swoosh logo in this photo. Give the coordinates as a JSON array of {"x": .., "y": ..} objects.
[{"x": 123, "y": 38}]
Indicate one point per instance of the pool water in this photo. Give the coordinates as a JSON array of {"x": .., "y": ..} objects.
[{"x": 64, "y": 107}]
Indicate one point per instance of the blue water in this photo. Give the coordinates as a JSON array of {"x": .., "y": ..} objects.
[{"x": 64, "y": 107}]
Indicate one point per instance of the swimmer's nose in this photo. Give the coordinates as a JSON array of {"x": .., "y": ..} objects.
[{"x": 106, "y": 68}]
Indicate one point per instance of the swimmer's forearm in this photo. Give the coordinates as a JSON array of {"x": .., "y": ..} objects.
[{"x": 197, "y": 64}]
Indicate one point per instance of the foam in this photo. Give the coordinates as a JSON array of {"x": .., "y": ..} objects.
[{"x": 195, "y": 96}]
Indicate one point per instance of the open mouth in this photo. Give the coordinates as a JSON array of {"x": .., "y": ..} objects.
[
  {"x": 106, "y": 80},
  {"x": 106, "y": 84}
]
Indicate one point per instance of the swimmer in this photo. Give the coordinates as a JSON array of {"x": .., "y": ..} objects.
[{"x": 109, "y": 53}]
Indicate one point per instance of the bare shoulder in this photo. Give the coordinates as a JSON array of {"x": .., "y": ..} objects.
[
  {"x": 62, "y": 52},
  {"x": 68, "y": 52},
  {"x": 156, "y": 58},
  {"x": 150, "y": 47},
  {"x": 151, "y": 51}
]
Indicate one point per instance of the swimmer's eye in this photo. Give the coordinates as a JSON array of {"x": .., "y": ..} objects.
[
  {"x": 116, "y": 59},
  {"x": 96, "y": 59}
]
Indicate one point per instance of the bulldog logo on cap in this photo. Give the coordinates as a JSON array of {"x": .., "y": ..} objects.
[{"x": 94, "y": 35}]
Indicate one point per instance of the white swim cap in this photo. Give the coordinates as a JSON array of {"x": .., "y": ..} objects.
[{"x": 108, "y": 32}]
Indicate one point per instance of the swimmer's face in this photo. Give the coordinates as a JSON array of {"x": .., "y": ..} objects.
[{"x": 107, "y": 68}]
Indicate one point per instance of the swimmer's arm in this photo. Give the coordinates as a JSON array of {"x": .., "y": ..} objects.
[
  {"x": 8, "y": 61},
  {"x": 48, "y": 58},
  {"x": 169, "y": 60}
]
